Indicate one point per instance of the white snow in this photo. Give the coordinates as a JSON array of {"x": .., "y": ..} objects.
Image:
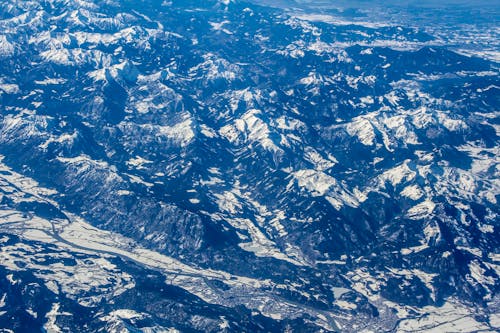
[
  {"x": 316, "y": 182},
  {"x": 413, "y": 192},
  {"x": 362, "y": 129},
  {"x": 451, "y": 317},
  {"x": 138, "y": 162},
  {"x": 337, "y": 21},
  {"x": 477, "y": 273},
  {"x": 319, "y": 184},
  {"x": 228, "y": 202},
  {"x": 50, "y": 81},
  {"x": 219, "y": 26},
  {"x": 64, "y": 138},
  {"x": 421, "y": 210},
  {"x": 9, "y": 88},
  {"x": 182, "y": 132},
  {"x": 250, "y": 127},
  {"x": 397, "y": 175},
  {"x": 320, "y": 163},
  {"x": 6, "y": 48},
  {"x": 451, "y": 124},
  {"x": 50, "y": 326}
]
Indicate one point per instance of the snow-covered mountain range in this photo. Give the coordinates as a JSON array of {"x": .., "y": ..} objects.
[{"x": 231, "y": 166}]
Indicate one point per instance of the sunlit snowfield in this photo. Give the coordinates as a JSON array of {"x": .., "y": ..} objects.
[{"x": 260, "y": 166}]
